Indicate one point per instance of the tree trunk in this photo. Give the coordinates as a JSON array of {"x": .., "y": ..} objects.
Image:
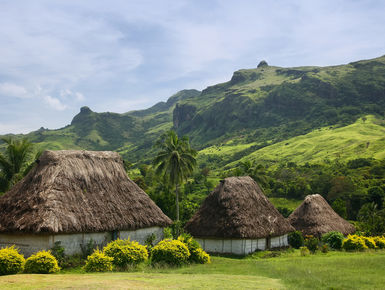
[{"x": 177, "y": 202}]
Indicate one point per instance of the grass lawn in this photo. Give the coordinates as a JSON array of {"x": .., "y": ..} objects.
[{"x": 334, "y": 270}]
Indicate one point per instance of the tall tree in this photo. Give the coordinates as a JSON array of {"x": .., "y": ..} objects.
[
  {"x": 175, "y": 161},
  {"x": 14, "y": 162}
]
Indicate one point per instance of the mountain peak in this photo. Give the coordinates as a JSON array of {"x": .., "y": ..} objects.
[{"x": 262, "y": 63}]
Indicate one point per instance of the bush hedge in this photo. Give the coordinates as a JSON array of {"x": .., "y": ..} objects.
[
  {"x": 197, "y": 255},
  {"x": 42, "y": 262},
  {"x": 126, "y": 253},
  {"x": 354, "y": 243},
  {"x": 333, "y": 239},
  {"x": 11, "y": 262},
  {"x": 98, "y": 262},
  {"x": 295, "y": 239},
  {"x": 172, "y": 252}
]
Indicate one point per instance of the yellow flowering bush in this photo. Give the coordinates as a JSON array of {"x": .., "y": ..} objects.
[
  {"x": 11, "y": 262},
  {"x": 354, "y": 243},
  {"x": 98, "y": 262},
  {"x": 126, "y": 253},
  {"x": 370, "y": 242},
  {"x": 197, "y": 255},
  {"x": 42, "y": 262},
  {"x": 172, "y": 252},
  {"x": 380, "y": 242}
]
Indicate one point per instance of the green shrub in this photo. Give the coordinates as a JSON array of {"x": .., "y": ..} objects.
[
  {"x": 42, "y": 262},
  {"x": 11, "y": 262},
  {"x": 304, "y": 251},
  {"x": 333, "y": 239},
  {"x": 295, "y": 239},
  {"x": 354, "y": 243},
  {"x": 98, "y": 262},
  {"x": 126, "y": 253},
  {"x": 324, "y": 248},
  {"x": 58, "y": 252},
  {"x": 311, "y": 243},
  {"x": 172, "y": 252}
]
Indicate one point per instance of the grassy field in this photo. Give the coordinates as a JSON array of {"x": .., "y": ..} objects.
[
  {"x": 334, "y": 270},
  {"x": 362, "y": 139}
]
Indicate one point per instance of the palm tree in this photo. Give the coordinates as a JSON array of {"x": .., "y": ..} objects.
[
  {"x": 255, "y": 171},
  {"x": 13, "y": 162},
  {"x": 175, "y": 161}
]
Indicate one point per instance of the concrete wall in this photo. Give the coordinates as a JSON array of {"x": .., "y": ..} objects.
[
  {"x": 240, "y": 246},
  {"x": 72, "y": 243}
]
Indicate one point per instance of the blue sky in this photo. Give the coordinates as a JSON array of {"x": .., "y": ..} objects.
[{"x": 117, "y": 56}]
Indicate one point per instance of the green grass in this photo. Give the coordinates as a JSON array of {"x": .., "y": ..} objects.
[
  {"x": 334, "y": 270},
  {"x": 291, "y": 204},
  {"x": 361, "y": 139}
]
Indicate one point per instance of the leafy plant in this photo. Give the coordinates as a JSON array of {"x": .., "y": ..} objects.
[
  {"x": 172, "y": 252},
  {"x": 88, "y": 248},
  {"x": 126, "y": 253},
  {"x": 296, "y": 239},
  {"x": 311, "y": 243},
  {"x": 98, "y": 262},
  {"x": 42, "y": 262},
  {"x": 333, "y": 239},
  {"x": 58, "y": 252},
  {"x": 11, "y": 262},
  {"x": 197, "y": 255},
  {"x": 304, "y": 251},
  {"x": 150, "y": 240}
]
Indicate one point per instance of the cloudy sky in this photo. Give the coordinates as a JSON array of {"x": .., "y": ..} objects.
[{"x": 117, "y": 56}]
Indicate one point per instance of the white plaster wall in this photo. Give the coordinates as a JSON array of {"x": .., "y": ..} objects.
[
  {"x": 240, "y": 246},
  {"x": 72, "y": 243},
  {"x": 281, "y": 241},
  {"x": 142, "y": 234},
  {"x": 29, "y": 244}
]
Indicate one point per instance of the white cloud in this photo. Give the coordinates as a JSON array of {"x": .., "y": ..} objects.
[
  {"x": 55, "y": 103},
  {"x": 12, "y": 90}
]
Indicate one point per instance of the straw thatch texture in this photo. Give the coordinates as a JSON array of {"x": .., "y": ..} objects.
[
  {"x": 315, "y": 217},
  {"x": 78, "y": 191},
  {"x": 237, "y": 208}
]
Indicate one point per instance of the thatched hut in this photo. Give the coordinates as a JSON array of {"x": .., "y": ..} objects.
[
  {"x": 238, "y": 218},
  {"x": 316, "y": 217},
  {"x": 75, "y": 197}
]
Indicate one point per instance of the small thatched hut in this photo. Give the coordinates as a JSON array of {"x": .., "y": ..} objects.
[
  {"x": 75, "y": 197},
  {"x": 238, "y": 218},
  {"x": 316, "y": 217}
]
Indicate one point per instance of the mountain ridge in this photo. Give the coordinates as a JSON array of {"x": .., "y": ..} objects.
[{"x": 264, "y": 105}]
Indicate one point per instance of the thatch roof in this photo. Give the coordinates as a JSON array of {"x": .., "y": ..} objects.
[
  {"x": 78, "y": 191},
  {"x": 237, "y": 208},
  {"x": 315, "y": 217}
]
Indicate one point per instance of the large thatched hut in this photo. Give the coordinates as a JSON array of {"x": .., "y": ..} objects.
[
  {"x": 238, "y": 218},
  {"x": 316, "y": 217},
  {"x": 75, "y": 197}
]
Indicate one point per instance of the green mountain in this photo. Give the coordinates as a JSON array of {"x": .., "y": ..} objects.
[{"x": 259, "y": 113}]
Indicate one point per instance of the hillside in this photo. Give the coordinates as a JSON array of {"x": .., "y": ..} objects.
[
  {"x": 259, "y": 113},
  {"x": 365, "y": 138}
]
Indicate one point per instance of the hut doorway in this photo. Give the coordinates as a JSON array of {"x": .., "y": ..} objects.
[
  {"x": 114, "y": 235},
  {"x": 268, "y": 243}
]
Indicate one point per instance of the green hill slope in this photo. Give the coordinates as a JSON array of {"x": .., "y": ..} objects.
[{"x": 363, "y": 139}]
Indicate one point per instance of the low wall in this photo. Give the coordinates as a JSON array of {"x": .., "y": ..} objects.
[
  {"x": 241, "y": 246},
  {"x": 72, "y": 243}
]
